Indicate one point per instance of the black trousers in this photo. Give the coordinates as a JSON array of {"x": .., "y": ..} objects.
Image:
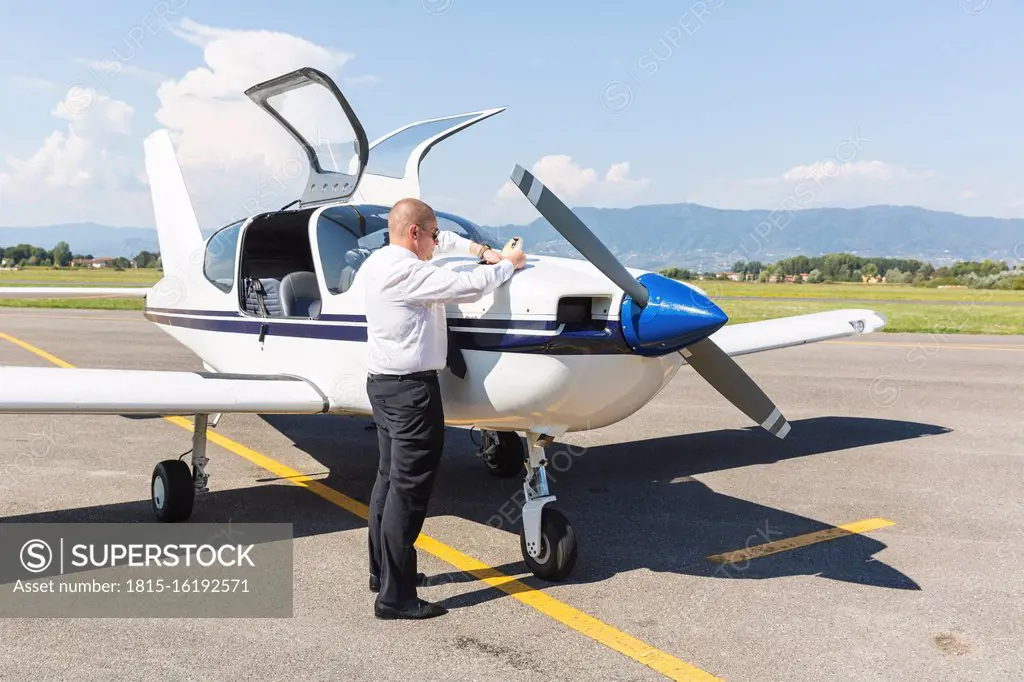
[{"x": 410, "y": 432}]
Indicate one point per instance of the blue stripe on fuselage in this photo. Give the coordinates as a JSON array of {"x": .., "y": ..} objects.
[{"x": 601, "y": 338}]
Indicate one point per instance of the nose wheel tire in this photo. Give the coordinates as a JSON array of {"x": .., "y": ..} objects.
[
  {"x": 173, "y": 491},
  {"x": 504, "y": 454},
  {"x": 557, "y": 547}
]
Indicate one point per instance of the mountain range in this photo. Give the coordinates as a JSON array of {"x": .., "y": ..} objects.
[
  {"x": 683, "y": 235},
  {"x": 694, "y": 236}
]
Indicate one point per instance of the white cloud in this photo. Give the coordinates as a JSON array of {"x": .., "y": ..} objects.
[
  {"x": 572, "y": 183},
  {"x": 91, "y": 113},
  {"x": 76, "y": 169},
  {"x": 619, "y": 173},
  {"x": 870, "y": 170},
  {"x": 235, "y": 158}
]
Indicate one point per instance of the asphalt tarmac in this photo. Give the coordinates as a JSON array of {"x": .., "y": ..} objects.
[{"x": 919, "y": 437}]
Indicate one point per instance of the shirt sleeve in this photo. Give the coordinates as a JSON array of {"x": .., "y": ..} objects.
[
  {"x": 452, "y": 242},
  {"x": 428, "y": 283}
]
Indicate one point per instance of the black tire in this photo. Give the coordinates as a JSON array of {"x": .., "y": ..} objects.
[
  {"x": 557, "y": 547},
  {"x": 172, "y": 491},
  {"x": 508, "y": 457}
]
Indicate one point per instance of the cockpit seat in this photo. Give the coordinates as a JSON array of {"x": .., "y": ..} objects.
[
  {"x": 271, "y": 297},
  {"x": 353, "y": 259},
  {"x": 300, "y": 295}
]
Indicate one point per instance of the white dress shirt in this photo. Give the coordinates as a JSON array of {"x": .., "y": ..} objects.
[{"x": 405, "y": 297}]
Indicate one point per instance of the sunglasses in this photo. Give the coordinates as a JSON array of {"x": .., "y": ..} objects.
[{"x": 433, "y": 235}]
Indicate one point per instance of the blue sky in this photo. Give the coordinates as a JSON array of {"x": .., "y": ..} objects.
[{"x": 729, "y": 103}]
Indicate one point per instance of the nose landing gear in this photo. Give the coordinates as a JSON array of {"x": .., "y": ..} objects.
[{"x": 547, "y": 539}]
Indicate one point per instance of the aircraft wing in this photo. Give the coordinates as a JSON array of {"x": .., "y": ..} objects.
[
  {"x": 54, "y": 390},
  {"x": 754, "y": 337}
]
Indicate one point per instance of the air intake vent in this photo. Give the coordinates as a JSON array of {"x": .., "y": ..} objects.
[{"x": 583, "y": 312}]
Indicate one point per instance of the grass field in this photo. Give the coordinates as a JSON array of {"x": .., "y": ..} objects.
[
  {"x": 76, "y": 303},
  {"x": 901, "y": 317},
  {"x": 946, "y": 311},
  {"x": 858, "y": 292},
  {"x": 106, "y": 277}
]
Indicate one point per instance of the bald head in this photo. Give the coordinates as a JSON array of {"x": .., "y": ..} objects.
[
  {"x": 408, "y": 212},
  {"x": 413, "y": 225}
]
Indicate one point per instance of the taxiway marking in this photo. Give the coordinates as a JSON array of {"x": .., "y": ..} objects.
[
  {"x": 599, "y": 631},
  {"x": 38, "y": 351},
  {"x": 796, "y": 542}
]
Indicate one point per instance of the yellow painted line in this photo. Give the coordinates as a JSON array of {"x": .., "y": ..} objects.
[
  {"x": 666, "y": 664},
  {"x": 939, "y": 345},
  {"x": 769, "y": 548},
  {"x": 38, "y": 351}
]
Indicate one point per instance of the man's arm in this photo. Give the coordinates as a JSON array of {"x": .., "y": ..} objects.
[
  {"x": 453, "y": 242},
  {"x": 428, "y": 283}
]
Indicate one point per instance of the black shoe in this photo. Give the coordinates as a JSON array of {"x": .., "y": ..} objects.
[
  {"x": 418, "y": 610},
  {"x": 421, "y": 581}
]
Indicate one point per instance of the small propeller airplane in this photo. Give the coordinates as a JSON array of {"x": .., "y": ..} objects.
[{"x": 272, "y": 305}]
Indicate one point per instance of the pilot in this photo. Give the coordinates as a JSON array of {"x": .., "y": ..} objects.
[{"x": 406, "y": 348}]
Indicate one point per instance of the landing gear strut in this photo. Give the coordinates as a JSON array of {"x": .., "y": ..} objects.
[
  {"x": 174, "y": 487},
  {"x": 502, "y": 453},
  {"x": 547, "y": 540}
]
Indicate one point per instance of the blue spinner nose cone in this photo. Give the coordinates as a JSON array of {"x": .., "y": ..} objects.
[{"x": 676, "y": 316}]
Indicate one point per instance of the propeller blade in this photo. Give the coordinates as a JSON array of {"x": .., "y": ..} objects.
[
  {"x": 729, "y": 379},
  {"x": 577, "y": 234}
]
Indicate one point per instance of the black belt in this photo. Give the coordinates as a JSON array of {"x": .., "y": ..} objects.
[{"x": 425, "y": 374}]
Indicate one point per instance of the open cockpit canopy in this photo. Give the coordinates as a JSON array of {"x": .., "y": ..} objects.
[{"x": 343, "y": 165}]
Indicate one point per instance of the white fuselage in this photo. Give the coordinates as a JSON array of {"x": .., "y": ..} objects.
[{"x": 525, "y": 370}]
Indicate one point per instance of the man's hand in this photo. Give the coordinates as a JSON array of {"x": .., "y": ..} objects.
[
  {"x": 518, "y": 258},
  {"x": 491, "y": 256}
]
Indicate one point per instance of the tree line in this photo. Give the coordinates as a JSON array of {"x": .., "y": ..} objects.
[
  {"x": 845, "y": 267},
  {"x": 61, "y": 256}
]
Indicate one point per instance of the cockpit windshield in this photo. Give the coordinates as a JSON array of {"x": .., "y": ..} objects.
[{"x": 348, "y": 234}]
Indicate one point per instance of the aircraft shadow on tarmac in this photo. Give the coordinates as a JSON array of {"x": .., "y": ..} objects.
[{"x": 633, "y": 505}]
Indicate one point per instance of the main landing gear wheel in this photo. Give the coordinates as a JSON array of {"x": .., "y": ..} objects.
[
  {"x": 174, "y": 485},
  {"x": 173, "y": 491},
  {"x": 557, "y": 547},
  {"x": 503, "y": 453}
]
